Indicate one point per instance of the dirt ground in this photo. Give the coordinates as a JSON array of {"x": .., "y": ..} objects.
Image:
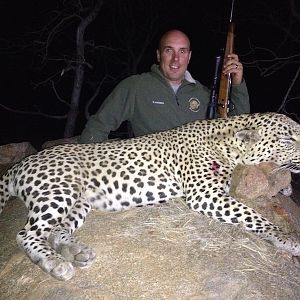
[{"x": 163, "y": 252}]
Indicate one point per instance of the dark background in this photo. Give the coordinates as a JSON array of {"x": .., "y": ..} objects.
[{"x": 261, "y": 23}]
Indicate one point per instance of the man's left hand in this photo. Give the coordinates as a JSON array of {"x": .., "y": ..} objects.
[{"x": 234, "y": 67}]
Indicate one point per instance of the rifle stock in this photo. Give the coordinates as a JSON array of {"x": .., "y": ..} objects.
[{"x": 225, "y": 80}]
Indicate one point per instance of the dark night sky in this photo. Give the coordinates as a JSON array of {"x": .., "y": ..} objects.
[{"x": 205, "y": 25}]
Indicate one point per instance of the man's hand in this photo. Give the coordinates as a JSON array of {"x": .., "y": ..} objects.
[{"x": 234, "y": 67}]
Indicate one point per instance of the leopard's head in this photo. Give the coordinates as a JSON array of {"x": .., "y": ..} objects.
[{"x": 272, "y": 138}]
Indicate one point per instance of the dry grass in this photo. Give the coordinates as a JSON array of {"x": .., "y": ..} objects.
[{"x": 175, "y": 223}]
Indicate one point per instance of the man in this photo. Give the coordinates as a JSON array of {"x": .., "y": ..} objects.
[{"x": 165, "y": 97}]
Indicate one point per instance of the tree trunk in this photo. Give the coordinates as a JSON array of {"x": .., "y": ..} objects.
[{"x": 79, "y": 72}]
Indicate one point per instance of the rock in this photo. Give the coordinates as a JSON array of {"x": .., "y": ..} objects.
[
  {"x": 256, "y": 186},
  {"x": 13, "y": 153},
  {"x": 71, "y": 140},
  {"x": 161, "y": 252},
  {"x": 253, "y": 181}
]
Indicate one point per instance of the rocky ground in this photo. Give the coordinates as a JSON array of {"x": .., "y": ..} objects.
[{"x": 164, "y": 252}]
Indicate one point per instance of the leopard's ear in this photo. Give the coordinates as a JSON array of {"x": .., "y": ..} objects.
[{"x": 248, "y": 135}]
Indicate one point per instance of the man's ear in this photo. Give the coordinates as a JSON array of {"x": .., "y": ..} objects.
[
  {"x": 248, "y": 135},
  {"x": 157, "y": 55},
  {"x": 190, "y": 55}
]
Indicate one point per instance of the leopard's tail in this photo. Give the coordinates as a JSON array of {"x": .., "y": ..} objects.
[{"x": 5, "y": 191}]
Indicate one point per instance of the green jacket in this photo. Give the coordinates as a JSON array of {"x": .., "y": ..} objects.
[{"x": 150, "y": 104}]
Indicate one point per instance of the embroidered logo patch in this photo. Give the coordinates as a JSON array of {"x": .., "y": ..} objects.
[{"x": 194, "y": 104}]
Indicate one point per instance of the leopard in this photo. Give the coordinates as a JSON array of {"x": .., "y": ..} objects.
[{"x": 62, "y": 184}]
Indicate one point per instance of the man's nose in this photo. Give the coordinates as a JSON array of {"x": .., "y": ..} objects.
[{"x": 175, "y": 56}]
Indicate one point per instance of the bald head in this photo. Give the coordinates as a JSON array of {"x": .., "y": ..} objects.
[
  {"x": 173, "y": 35},
  {"x": 174, "y": 55}
]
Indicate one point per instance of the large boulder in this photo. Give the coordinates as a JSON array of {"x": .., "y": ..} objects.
[{"x": 161, "y": 252}]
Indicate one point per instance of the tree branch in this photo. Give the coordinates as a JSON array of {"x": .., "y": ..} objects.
[
  {"x": 283, "y": 104},
  {"x": 33, "y": 113}
]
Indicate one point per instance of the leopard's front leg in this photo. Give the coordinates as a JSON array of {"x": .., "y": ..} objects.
[
  {"x": 37, "y": 248},
  {"x": 216, "y": 204},
  {"x": 53, "y": 248},
  {"x": 73, "y": 250},
  {"x": 62, "y": 241}
]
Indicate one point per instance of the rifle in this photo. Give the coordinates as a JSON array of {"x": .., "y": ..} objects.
[
  {"x": 224, "y": 95},
  {"x": 219, "y": 102},
  {"x": 213, "y": 100}
]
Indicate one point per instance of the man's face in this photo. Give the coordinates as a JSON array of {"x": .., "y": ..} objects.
[{"x": 174, "y": 55}]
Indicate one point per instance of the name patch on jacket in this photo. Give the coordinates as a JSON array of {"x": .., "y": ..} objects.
[
  {"x": 194, "y": 104},
  {"x": 158, "y": 102}
]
